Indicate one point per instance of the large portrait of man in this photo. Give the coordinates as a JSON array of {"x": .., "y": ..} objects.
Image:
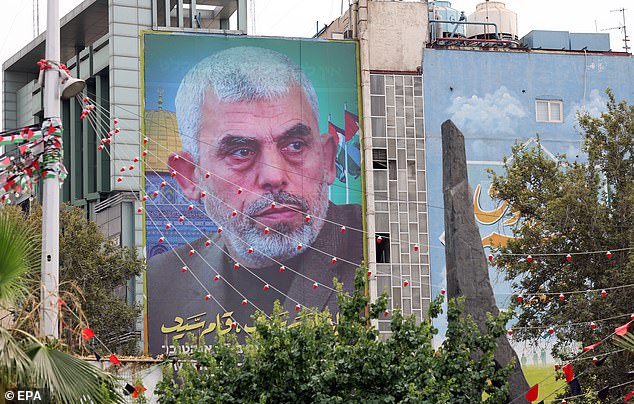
[{"x": 260, "y": 198}]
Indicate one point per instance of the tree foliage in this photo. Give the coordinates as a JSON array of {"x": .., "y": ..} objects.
[
  {"x": 27, "y": 362},
  {"x": 314, "y": 360},
  {"x": 91, "y": 270},
  {"x": 575, "y": 207}
]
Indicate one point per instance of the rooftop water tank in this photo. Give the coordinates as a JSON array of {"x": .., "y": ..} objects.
[
  {"x": 495, "y": 12},
  {"x": 442, "y": 10}
]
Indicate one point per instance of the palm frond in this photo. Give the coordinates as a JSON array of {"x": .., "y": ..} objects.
[
  {"x": 626, "y": 341},
  {"x": 14, "y": 363},
  {"x": 70, "y": 379},
  {"x": 19, "y": 255}
]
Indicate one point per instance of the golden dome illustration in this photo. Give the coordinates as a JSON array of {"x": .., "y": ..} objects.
[{"x": 161, "y": 129}]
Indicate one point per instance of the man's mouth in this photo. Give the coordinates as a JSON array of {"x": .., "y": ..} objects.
[{"x": 278, "y": 214}]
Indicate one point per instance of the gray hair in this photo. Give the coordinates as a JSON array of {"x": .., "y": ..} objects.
[{"x": 236, "y": 74}]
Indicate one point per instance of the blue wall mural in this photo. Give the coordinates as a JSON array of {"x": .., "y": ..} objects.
[{"x": 491, "y": 96}]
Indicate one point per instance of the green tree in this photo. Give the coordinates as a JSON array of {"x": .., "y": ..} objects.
[
  {"x": 314, "y": 360},
  {"x": 27, "y": 362},
  {"x": 91, "y": 270},
  {"x": 575, "y": 207}
]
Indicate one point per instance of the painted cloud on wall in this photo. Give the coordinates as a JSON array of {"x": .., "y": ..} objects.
[{"x": 496, "y": 113}]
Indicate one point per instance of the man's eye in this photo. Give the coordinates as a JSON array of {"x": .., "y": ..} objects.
[
  {"x": 294, "y": 147},
  {"x": 242, "y": 153}
]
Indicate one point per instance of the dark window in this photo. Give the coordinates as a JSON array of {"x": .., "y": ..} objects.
[
  {"x": 379, "y": 159},
  {"x": 383, "y": 248}
]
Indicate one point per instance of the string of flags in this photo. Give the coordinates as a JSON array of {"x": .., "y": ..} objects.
[
  {"x": 87, "y": 335},
  {"x": 573, "y": 381}
]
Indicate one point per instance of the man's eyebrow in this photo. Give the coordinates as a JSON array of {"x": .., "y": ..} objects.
[
  {"x": 297, "y": 130},
  {"x": 231, "y": 141}
]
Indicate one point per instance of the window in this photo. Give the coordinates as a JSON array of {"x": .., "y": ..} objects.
[
  {"x": 549, "y": 110},
  {"x": 379, "y": 159},
  {"x": 383, "y": 248}
]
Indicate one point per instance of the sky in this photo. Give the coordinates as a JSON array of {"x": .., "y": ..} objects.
[{"x": 299, "y": 18}]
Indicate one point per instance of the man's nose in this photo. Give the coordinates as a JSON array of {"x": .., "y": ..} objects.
[{"x": 272, "y": 172}]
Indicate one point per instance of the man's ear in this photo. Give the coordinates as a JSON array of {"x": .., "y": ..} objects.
[
  {"x": 329, "y": 148},
  {"x": 186, "y": 173}
]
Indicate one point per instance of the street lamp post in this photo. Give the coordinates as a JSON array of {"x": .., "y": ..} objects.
[{"x": 49, "y": 313}]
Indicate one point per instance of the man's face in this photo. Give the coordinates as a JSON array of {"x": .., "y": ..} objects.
[{"x": 272, "y": 150}]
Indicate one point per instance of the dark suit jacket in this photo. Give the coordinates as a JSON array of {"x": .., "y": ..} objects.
[{"x": 176, "y": 302}]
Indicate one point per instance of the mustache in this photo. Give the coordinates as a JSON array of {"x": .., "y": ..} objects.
[{"x": 280, "y": 198}]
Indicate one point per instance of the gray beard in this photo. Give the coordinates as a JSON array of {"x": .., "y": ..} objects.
[{"x": 242, "y": 232}]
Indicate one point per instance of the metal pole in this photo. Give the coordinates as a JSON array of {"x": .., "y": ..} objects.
[{"x": 49, "y": 312}]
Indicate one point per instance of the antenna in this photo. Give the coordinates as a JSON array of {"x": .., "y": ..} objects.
[{"x": 621, "y": 27}]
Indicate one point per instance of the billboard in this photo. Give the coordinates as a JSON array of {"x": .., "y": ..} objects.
[{"x": 253, "y": 180}]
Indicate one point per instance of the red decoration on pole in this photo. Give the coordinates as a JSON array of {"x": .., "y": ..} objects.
[
  {"x": 568, "y": 257},
  {"x": 551, "y": 331},
  {"x": 203, "y": 194},
  {"x": 236, "y": 265},
  {"x": 239, "y": 190},
  {"x": 561, "y": 296},
  {"x": 297, "y": 307},
  {"x": 273, "y": 205},
  {"x": 219, "y": 229},
  {"x": 307, "y": 218},
  {"x": 163, "y": 184},
  {"x": 267, "y": 230},
  {"x": 299, "y": 246},
  {"x": 119, "y": 179},
  {"x": 443, "y": 291},
  {"x": 217, "y": 277},
  {"x": 593, "y": 326},
  {"x": 87, "y": 334},
  {"x": 609, "y": 255},
  {"x": 250, "y": 250},
  {"x": 386, "y": 313},
  {"x": 160, "y": 240},
  {"x": 192, "y": 252},
  {"x": 207, "y": 297},
  {"x": 334, "y": 260},
  {"x": 184, "y": 268},
  {"x": 167, "y": 226},
  {"x": 510, "y": 332},
  {"x": 173, "y": 174},
  {"x": 155, "y": 194},
  {"x": 491, "y": 257},
  {"x": 529, "y": 259},
  {"x": 315, "y": 285},
  {"x": 266, "y": 287},
  {"x": 244, "y": 302},
  {"x": 282, "y": 268},
  {"x": 604, "y": 293},
  {"x": 114, "y": 360},
  {"x": 190, "y": 207},
  {"x": 405, "y": 283},
  {"x": 144, "y": 153},
  {"x": 234, "y": 213},
  {"x": 379, "y": 239},
  {"x": 520, "y": 298},
  {"x": 181, "y": 219},
  {"x": 207, "y": 175},
  {"x": 416, "y": 248},
  {"x": 595, "y": 360},
  {"x": 207, "y": 243},
  {"x": 139, "y": 210},
  {"x": 369, "y": 273},
  {"x": 343, "y": 229}
]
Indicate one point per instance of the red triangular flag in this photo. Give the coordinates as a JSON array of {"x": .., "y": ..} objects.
[
  {"x": 51, "y": 130},
  {"x": 114, "y": 360},
  {"x": 335, "y": 131},
  {"x": 568, "y": 372},
  {"x": 622, "y": 330},
  {"x": 533, "y": 393},
  {"x": 352, "y": 125},
  {"x": 29, "y": 134},
  {"x": 87, "y": 333},
  {"x": 629, "y": 396},
  {"x": 23, "y": 148},
  {"x": 591, "y": 347}
]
